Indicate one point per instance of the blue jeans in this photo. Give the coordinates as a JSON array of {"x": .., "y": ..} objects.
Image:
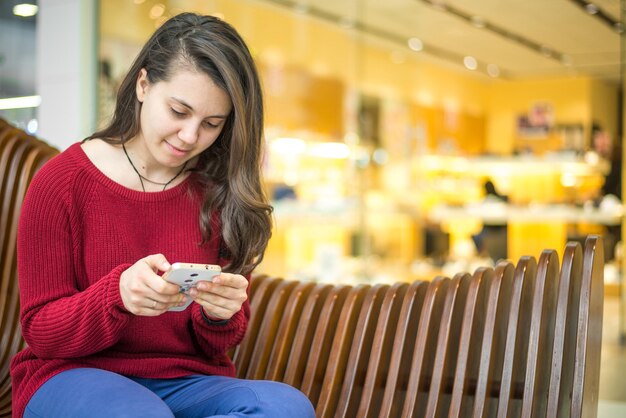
[{"x": 98, "y": 393}]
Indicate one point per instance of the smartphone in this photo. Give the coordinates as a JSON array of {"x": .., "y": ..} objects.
[{"x": 187, "y": 275}]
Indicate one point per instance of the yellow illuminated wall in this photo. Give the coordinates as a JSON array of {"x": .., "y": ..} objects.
[
  {"x": 304, "y": 57},
  {"x": 575, "y": 100}
]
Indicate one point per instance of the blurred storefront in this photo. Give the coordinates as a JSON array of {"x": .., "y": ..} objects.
[
  {"x": 379, "y": 144},
  {"x": 379, "y": 147}
]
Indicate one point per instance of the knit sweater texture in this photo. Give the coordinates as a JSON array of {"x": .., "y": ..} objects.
[{"x": 78, "y": 231}]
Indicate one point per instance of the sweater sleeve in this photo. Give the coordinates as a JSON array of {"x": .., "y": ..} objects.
[
  {"x": 216, "y": 338},
  {"x": 58, "y": 320}
]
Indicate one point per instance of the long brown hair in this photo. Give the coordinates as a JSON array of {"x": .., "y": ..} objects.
[{"x": 230, "y": 169}]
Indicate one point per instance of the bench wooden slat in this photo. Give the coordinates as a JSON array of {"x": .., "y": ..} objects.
[
  {"x": 541, "y": 335},
  {"x": 589, "y": 332},
  {"x": 425, "y": 348},
  {"x": 448, "y": 341},
  {"x": 269, "y": 328},
  {"x": 341, "y": 343},
  {"x": 356, "y": 367},
  {"x": 300, "y": 350},
  {"x": 286, "y": 332},
  {"x": 325, "y": 353},
  {"x": 516, "y": 343},
  {"x": 403, "y": 348},
  {"x": 491, "y": 358},
  {"x": 258, "y": 304},
  {"x": 564, "y": 348},
  {"x": 380, "y": 354},
  {"x": 470, "y": 342}
]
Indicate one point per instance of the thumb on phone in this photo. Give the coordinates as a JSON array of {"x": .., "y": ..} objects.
[{"x": 157, "y": 262}]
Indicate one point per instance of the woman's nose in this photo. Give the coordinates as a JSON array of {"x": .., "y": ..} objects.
[{"x": 189, "y": 133}]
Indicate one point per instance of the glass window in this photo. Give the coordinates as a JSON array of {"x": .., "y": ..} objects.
[
  {"x": 18, "y": 99},
  {"x": 385, "y": 121}
]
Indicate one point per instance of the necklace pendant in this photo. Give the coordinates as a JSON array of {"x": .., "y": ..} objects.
[{"x": 142, "y": 178}]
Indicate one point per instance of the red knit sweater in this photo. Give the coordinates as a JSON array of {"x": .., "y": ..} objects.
[{"x": 78, "y": 231}]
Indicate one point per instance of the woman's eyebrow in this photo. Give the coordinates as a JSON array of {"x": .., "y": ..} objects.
[{"x": 188, "y": 106}]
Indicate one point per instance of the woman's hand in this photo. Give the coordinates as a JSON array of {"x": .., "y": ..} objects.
[
  {"x": 222, "y": 297},
  {"x": 144, "y": 292}
]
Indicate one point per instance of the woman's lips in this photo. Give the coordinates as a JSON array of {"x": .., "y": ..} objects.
[{"x": 177, "y": 151}]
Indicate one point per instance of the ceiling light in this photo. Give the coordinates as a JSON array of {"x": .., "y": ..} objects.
[
  {"x": 157, "y": 11},
  {"x": 32, "y": 126},
  {"x": 25, "y": 10},
  {"x": 22, "y": 102},
  {"x": 347, "y": 23},
  {"x": 470, "y": 63},
  {"x": 566, "y": 60},
  {"x": 547, "y": 52},
  {"x": 490, "y": 26},
  {"x": 591, "y": 8},
  {"x": 619, "y": 27},
  {"x": 416, "y": 44},
  {"x": 478, "y": 22},
  {"x": 301, "y": 9},
  {"x": 493, "y": 70}
]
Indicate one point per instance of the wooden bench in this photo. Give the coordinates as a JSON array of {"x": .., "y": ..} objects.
[
  {"x": 21, "y": 155},
  {"x": 515, "y": 340}
]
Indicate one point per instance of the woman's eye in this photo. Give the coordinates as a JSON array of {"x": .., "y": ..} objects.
[
  {"x": 177, "y": 113},
  {"x": 210, "y": 125}
]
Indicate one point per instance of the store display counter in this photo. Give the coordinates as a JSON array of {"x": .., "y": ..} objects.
[
  {"x": 502, "y": 214},
  {"x": 529, "y": 228}
]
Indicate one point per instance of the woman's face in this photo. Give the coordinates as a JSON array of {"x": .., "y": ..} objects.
[{"x": 180, "y": 117}]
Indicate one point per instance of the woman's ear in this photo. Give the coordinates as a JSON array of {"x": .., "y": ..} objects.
[{"x": 142, "y": 85}]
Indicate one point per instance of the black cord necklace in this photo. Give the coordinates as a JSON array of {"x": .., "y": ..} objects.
[{"x": 142, "y": 178}]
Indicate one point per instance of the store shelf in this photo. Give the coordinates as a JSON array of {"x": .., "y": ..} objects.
[
  {"x": 493, "y": 166},
  {"x": 502, "y": 213}
]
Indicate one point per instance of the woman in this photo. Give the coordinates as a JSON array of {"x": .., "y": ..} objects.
[{"x": 174, "y": 177}]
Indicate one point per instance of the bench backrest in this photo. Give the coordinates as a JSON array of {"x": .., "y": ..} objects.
[
  {"x": 514, "y": 340},
  {"x": 21, "y": 155}
]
